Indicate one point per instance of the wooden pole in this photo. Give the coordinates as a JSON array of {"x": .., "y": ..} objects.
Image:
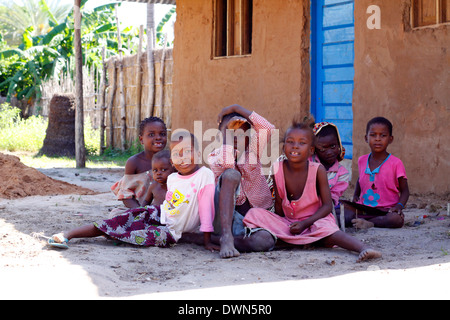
[
  {"x": 159, "y": 111},
  {"x": 102, "y": 103},
  {"x": 122, "y": 105},
  {"x": 111, "y": 104},
  {"x": 139, "y": 81},
  {"x": 150, "y": 58},
  {"x": 80, "y": 149}
]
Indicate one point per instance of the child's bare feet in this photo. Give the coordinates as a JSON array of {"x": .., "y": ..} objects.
[
  {"x": 227, "y": 249},
  {"x": 368, "y": 254},
  {"x": 362, "y": 224}
]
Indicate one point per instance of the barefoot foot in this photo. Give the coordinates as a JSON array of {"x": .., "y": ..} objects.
[
  {"x": 362, "y": 224},
  {"x": 368, "y": 254},
  {"x": 227, "y": 249}
]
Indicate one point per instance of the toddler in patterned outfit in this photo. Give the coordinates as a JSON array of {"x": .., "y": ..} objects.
[
  {"x": 240, "y": 184},
  {"x": 133, "y": 187},
  {"x": 138, "y": 226}
]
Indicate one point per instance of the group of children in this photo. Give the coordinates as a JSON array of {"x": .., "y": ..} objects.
[{"x": 230, "y": 207}]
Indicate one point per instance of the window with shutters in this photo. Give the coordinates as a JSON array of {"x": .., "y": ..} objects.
[
  {"x": 232, "y": 28},
  {"x": 430, "y": 12}
]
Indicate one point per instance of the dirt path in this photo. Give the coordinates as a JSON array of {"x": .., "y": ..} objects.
[{"x": 415, "y": 262}]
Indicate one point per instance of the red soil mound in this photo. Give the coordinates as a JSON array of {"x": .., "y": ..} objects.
[{"x": 18, "y": 181}]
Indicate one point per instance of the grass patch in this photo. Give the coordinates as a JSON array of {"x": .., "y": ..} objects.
[{"x": 25, "y": 137}]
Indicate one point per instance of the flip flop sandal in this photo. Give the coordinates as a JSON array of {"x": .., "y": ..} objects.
[{"x": 61, "y": 245}]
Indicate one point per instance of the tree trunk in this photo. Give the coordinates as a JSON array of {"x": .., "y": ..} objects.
[
  {"x": 139, "y": 81},
  {"x": 80, "y": 150},
  {"x": 150, "y": 58},
  {"x": 122, "y": 103}
]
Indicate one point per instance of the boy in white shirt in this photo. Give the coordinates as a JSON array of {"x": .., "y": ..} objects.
[{"x": 189, "y": 204}]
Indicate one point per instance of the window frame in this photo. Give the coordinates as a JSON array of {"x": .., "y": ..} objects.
[
  {"x": 234, "y": 37},
  {"x": 440, "y": 20}
]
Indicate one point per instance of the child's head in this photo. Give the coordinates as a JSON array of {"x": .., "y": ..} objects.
[
  {"x": 381, "y": 121},
  {"x": 235, "y": 126},
  {"x": 233, "y": 121},
  {"x": 299, "y": 140},
  {"x": 328, "y": 145},
  {"x": 184, "y": 152},
  {"x": 161, "y": 166},
  {"x": 379, "y": 134},
  {"x": 153, "y": 134}
]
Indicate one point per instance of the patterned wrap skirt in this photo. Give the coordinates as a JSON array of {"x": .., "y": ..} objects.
[{"x": 139, "y": 226}]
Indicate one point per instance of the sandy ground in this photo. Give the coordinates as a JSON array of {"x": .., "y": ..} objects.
[{"x": 415, "y": 263}]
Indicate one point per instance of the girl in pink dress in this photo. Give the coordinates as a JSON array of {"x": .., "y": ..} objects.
[{"x": 303, "y": 200}]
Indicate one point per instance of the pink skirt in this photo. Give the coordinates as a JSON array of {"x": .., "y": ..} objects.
[{"x": 279, "y": 226}]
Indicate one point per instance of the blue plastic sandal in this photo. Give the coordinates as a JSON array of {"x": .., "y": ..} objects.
[{"x": 60, "y": 245}]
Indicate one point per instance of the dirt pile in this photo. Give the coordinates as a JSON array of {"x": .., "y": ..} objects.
[{"x": 18, "y": 181}]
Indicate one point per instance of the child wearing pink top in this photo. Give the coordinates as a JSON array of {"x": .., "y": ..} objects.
[
  {"x": 330, "y": 152},
  {"x": 382, "y": 183},
  {"x": 303, "y": 200}
]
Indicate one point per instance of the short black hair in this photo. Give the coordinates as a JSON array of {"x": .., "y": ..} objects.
[
  {"x": 163, "y": 154},
  {"x": 307, "y": 123},
  {"x": 150, "y": 120},
  {"x": 379, "y": 120}
]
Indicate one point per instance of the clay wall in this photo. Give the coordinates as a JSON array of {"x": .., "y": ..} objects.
[
  {"x": 403, "y": 74},
  {"x": 270, "y": 81},
  {"x": 400, "y": 73}
]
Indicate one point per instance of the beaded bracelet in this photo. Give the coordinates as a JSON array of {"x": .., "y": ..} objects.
[{"x": 401, "y": 205}]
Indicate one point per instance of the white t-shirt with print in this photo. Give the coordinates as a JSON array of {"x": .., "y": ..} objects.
[{"x": 189, "y": 204}]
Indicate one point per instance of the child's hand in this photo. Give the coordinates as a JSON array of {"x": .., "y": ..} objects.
[
  {"x": 297, "y": 227},
  {"x": 397, "y": 209}
]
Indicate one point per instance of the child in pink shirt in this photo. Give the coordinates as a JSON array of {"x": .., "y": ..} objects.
[
  {"x": 330, "y": 152},
  {"x": 382, "y": 182},
  {"x": 303, "y": 200}
]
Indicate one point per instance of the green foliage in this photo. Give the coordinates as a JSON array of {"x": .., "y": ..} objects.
[
  {"x": 20, "y": 134},
  {"x": 8, "y": 116},
  {"x": 162, "y": 23},
  {"x": 45, "y": 56},
  {"x": 17, "y": 134}
]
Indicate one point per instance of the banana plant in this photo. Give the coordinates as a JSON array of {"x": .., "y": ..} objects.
[
  {"x": 162, "y": 23},
  {"x": 44, "y": 56},
  {"x": 48, "y": 55}
]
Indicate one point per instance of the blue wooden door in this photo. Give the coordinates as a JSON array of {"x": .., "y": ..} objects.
[{"x": 332, "y": 70}]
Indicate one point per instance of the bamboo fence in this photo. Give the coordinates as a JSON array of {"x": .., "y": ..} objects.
[
  {"x": 118, "y": 106},
  {"x": 127, "y": 101},
  {"x": 64, "y": 84}
]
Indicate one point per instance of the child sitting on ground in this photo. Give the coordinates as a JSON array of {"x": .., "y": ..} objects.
[
  {"x": 240, "y": 184},
  {"x": 139, "y": 226},
  {"x": 303, "y": 200},
  {"x": 189, "y": 204},
  {"x": 330, "y": 152},
  {"x": 382, "y": 189},
  {"x": 132, "y": 188}
]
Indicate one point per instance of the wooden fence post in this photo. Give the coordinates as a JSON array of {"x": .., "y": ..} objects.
[
  {"x": 122, "y": 105},
  {"x": 80, "y": 149},
  {"x": 111, "y": 104},
  {"x": 139, "y": 81},
  {"x": 102, "y": 104}
]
